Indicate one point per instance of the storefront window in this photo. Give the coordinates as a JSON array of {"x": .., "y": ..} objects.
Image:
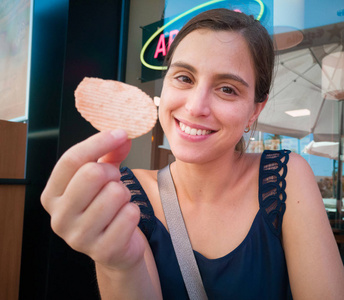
[{"x": 304, "y": 110}]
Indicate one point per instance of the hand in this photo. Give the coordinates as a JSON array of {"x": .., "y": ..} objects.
[{"x": 89, "y": 205}]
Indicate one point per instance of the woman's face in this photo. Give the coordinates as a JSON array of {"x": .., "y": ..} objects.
[{"x": 208, "y": 95}]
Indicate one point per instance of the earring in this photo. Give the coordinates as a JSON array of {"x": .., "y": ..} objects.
[{"x": 247, "y": 129}]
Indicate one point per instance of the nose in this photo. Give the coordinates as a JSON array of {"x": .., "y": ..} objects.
[{"x": 198, "y": 102}]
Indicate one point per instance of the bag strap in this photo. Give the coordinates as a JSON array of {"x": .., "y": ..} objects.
[{"x": 179, "y": 235}]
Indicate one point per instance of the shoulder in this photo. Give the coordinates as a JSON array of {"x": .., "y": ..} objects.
[
  {"x": 301, "y": 182},
  {"x": 141, "y": 186},
  {"x": 146, "y": 175},
  {"x": 149, "y": 182},
  {"x": 298, "y": 163},
  {"x": 303, "y": 194},
  {"x": 305, "y": 221},
  {"x": 305, "y": 210},
  {"x": 307, "y": 236},
  {"x": 146, "y": 180}
]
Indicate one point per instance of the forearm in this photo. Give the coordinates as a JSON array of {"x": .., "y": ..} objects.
[{"x": 135, "y": 283}]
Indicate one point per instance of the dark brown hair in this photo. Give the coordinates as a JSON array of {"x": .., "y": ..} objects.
[{"x": 258, "y": 40}]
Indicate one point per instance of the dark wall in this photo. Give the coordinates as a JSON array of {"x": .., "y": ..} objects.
[
  {"x": 92, "y": 50},
  {"x": 46, "y": 77},
  {"x": 70, "y": 40}
]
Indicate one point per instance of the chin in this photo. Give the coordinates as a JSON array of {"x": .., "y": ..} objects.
[{"x": 191, "y": 157}]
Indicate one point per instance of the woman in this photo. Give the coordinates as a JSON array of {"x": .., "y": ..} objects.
[{"x": 218, "y": 79}]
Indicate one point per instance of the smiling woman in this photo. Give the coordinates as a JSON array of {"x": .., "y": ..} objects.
[
  {"x": 214, "y": 94},
  {"x": 256, "y": 222},
  {"x": 255, "y": 39}
]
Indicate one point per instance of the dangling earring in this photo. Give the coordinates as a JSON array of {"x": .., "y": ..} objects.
[{"x": 247, "y": 129}]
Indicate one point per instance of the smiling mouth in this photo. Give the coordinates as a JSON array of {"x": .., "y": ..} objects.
[{"x": 193, "y": 131}]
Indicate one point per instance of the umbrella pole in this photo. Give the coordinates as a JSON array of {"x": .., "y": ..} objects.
[{"x": 339, "y": 172}]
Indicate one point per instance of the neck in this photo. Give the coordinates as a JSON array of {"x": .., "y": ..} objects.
[{"x": 206, "y": 182}]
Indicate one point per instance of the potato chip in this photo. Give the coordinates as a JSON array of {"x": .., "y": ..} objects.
[{"x": 109, "y": 104}]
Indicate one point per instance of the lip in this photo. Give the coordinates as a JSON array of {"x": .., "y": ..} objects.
[
  {"x": 193, "y": 125},
  {"x": 193, "y": 137}
]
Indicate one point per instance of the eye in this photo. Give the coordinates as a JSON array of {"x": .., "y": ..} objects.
[
  {"x": 184, "y": 79},
  {"x": 228, "y": 90}
]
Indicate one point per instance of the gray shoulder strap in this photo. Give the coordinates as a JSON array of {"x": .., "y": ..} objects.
[{"x": 179, "y": 236}]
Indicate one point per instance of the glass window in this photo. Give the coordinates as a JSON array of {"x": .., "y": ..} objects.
[
  {"x": 15, "y": 30},
  {"x": 304, "y": 112}
]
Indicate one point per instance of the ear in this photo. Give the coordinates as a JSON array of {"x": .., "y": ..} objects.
[{"x": 257, "y": 110}]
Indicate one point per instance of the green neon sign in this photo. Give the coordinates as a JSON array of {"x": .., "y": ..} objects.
[{"x": 161, "y": 29}]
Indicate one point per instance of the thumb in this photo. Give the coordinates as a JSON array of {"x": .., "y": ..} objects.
[{"x": 116, "y": 156}]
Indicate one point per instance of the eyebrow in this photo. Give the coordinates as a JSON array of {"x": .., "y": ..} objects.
[
  {"x": 220, "y": 76},
  {"x": 233, "y": 77},
  {"x": 179, "y": 64}
]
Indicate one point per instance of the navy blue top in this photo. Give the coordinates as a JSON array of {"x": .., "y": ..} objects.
[{"x": 256, "y": 269}]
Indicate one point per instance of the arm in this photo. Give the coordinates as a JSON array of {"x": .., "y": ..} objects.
[
  {"x": 90, "y": 209},
  {"x": 314, "y": 264}
]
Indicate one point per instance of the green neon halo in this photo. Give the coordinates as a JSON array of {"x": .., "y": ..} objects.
[
  {"x": 261, "y": 4},
  {"x": 161, "y": 29}
]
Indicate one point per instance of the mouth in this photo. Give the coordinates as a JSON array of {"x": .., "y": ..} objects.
[{"x": 193, "y": 131}]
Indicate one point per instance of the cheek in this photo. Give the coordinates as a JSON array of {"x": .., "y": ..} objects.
[
  {"x": 233, "y": 115},
  {"x": 170, "y": 100},
  {"x": 164, "y": 107}
]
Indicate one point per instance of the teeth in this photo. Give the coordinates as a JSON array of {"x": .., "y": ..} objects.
[{"x": 193, "y": 131}]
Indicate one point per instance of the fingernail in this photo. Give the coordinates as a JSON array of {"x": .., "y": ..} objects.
[{"x": 119, "y": 134}]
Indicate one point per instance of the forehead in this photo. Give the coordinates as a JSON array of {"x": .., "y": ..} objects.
[{"x": 223, "y": 50}]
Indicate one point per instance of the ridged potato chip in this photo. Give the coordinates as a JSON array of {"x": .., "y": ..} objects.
[{"x": 110, "y": 104}]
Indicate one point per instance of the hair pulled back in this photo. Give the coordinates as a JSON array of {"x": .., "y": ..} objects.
[{"x": 256, "y": 36}]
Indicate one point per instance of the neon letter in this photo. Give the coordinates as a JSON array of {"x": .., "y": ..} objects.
[
  {"x": 173, "y": 34},
  {"x": 161, "y": 47}
]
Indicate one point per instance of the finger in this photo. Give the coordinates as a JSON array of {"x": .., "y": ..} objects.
[
  {"x": 120, "y": 231},
  {"x": 86, "y": 184},
  {"x": 89, "y": 150},
  {"x": 116, "y": 157},
  {"x": 107, "y": 204},
  {"x": 83, "y": 231}
]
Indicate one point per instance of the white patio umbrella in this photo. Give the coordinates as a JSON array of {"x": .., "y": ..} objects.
[
  {"x": 324, "y": 149},
  {"x": 296, "y": 106},
  {"x": 333, "y": 88},
  {"x": 329, "y": 150}
]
